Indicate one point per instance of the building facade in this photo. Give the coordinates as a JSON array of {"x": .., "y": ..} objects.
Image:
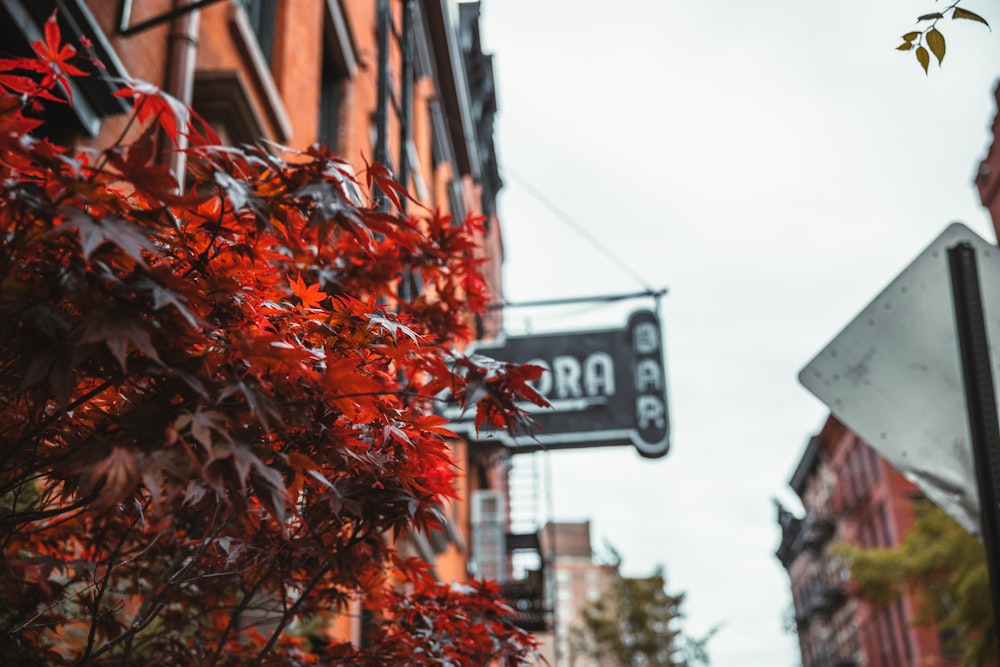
[
  {"x": 988, "y": 174},
  {"x": 401, "y": 82},
  {"x": 849, "y": 494}
]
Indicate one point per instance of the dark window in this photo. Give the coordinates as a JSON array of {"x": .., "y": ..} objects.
[
  {"x": 222, "y": 98},
  {"x": 854, "y": 479},
  {"x": 874, "y": 458},
  {"x": 904, "y": 631},
  {"x": 339, "y": 68},
  {"x": 890, "y": 645},
  {"x": 456, "y": 202},
  {"x": 884, "y": 525},
  {"x": 262, "y": 14},
  {"x": 870, "y": 536},
  {"x": 861, "y": 455},
  {"x": 331, "y": 97}
]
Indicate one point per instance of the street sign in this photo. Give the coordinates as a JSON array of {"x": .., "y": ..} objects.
[
  {"x": 606, "y": 388},
  {"x": 894, "y": 377}
]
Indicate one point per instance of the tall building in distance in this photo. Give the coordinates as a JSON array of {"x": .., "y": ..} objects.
[
  {"x": 575, "y": 580},
  {"x": 851, "y": 494}
]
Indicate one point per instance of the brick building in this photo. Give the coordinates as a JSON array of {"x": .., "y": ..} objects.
[
  {"x": 849, "y": 493},
  {"x": 402, "y": 82},
  {"x": 988, "y": 174}
]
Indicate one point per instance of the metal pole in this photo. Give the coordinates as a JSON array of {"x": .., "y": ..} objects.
[
  {"x": 406, "y": 93},
  {"x": 125, "y": 16},
  {"x": 383, "y": 19},
  {"x": 980, "y": 399},
  {"x": 606, "y": 298},
  {"x": 406, "y": 104}
]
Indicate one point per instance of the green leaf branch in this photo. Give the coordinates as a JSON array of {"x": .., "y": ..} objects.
[{"x": 930, "y": 40}]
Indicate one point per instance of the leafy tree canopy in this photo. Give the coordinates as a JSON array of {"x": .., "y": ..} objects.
[
  {"x": 946, "y": 566},
  {"x": 637, "y": 624},
  {"x": 213, "y": 426}
]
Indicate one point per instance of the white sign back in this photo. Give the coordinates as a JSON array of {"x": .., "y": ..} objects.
[{"x": 893, "y": 375}]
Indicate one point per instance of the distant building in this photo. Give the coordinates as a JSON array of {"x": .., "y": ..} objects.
[
  {"x": 575, "y": 580},
  {"x": 988, "y": 174},
  {"x": 850, "y": 494}
]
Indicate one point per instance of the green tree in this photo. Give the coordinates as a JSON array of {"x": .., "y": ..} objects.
[
  {"x": 928, "y": 39},
  {"x": 946, "y": 566},
  {"x": 637, "y": 623}
]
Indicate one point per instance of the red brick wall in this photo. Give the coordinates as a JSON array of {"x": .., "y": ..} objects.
[
  {"x": 296, "y": 71},
  {"x": 858, "y": 488},
  {"x": 988, "y": 177}
]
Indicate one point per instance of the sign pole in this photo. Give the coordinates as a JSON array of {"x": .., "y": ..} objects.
[{"x": 980, "y": 399}]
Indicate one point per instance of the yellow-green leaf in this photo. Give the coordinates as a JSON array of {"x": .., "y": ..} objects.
[
  {"x": 935, "y": 42},
  {"x": 966, "y": 14},
  {"x": 928, "y": 17},
  {"x": 923, "y": 58},
  {"x": 910, "y": 36},
  {"x": 905, "y": 46}
]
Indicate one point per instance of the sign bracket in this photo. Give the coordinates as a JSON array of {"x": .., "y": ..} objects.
[{"x": 607, "y": 298}]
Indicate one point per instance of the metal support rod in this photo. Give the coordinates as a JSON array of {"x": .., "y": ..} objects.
[
  {"x": 406, "y": 93},
  {"x": 607, "y": 298},
  {"x": 125, "y": 16},
  {"x": 383, "y": 20},
  {"x": 980, "y": 399}
]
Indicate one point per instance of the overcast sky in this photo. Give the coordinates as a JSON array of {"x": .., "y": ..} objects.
[{"x": 774, "y": 164}]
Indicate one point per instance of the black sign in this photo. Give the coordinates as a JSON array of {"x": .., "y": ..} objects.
[{"x": 605, "y": 387}]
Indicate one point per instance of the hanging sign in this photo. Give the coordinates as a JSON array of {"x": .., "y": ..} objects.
[{"x": 606, "y": 388}]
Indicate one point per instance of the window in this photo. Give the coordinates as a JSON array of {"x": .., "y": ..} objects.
[
  {"x": 251, "y": 41},
  {"x": 874, "y": 458},
  {"x": 338, "y": 70},
  {"x": 262, "y": 15},
  {"x": 488, "y": 536},
  {"x": 331, "y": 97},
  {"x": 884, "y": 526},
  {"x": 223, "y": 99}
]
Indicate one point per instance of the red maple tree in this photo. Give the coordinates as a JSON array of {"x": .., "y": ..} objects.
[{"x": 215, "y": 407}]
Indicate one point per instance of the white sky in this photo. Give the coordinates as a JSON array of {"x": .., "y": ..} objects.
[{"x": 774, "y": 164}]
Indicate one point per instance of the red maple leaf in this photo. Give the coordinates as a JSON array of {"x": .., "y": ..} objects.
[
  {"x": 310, "y": 295},
  {"x": 56, "y": 56},
  {"x": 378, "y": 175},
  {"x": 151, "y": 102}
]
